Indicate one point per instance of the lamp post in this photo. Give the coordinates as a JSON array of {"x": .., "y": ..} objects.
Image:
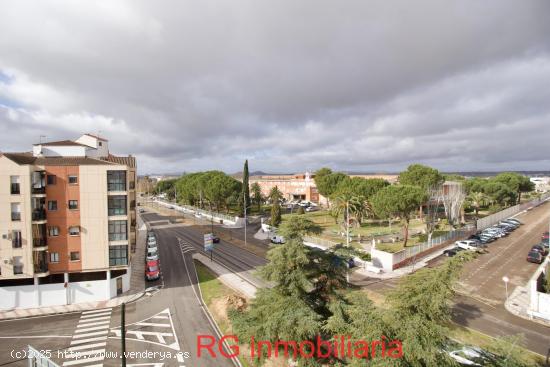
[{"x": 505, "y": 279}]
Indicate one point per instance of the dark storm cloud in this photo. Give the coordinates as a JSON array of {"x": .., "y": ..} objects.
[{"x": 290, "y": 85}]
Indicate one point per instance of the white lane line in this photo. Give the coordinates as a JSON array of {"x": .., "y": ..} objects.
[
  {"x": 85, "y": 330},
  {"x": 96, "y": 311},
  {"x": 82, "y": 341},
  {"x": 87, "y": 346},
  {"x": 152, "y": 324},
  {"x": 35, "y": 336},
  {"x": 86, "y": 324},
  {"x": 96, "y": 315},
  {"x": 103, "y": 332}
]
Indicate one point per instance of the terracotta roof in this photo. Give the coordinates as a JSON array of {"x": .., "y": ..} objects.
[
  {"x": 20, "y": 158},
  {"x": 127, "y": 161},
  {"x": 62, "y": 143},
  {"x": 97, "y": 137}
]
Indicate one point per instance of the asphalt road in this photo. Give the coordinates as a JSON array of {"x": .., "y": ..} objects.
[
  {"x": 480, "y": 302},
  {"x": 162, "y": 328}
]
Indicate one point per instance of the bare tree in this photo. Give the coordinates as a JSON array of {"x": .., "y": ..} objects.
[
  {"x": 453, "y": 196},
  {"x": 435, "y": 199}
]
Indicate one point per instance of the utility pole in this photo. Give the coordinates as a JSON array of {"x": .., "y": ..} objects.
[{"x": 123, "y": 332}]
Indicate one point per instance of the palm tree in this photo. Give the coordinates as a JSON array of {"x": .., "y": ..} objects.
[
  {"x": 477, "y": 200},
  {"x": 353, "y": 208},
  {"x": 275, "y": 196}
]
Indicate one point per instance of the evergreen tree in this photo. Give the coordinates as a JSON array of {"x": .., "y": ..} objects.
[
  {"x": 275, "y": 196},
  {"x": 246, "y": 188},
  {"x": 257, "y": 196}
]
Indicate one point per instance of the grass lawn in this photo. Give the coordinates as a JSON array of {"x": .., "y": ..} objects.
[
  {"x": 368, "y": 230},
  {"x": 214, "y": 292}
]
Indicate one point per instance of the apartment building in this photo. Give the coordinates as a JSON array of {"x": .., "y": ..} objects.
[{"x": 67, "y": 213}]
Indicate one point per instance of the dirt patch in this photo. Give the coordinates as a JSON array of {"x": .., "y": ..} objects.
[{"x": 220, "y": 306}]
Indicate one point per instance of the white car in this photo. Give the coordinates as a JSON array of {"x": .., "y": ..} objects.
[
  {"x": 152, "y": 254},
  {"x": 277, "y": 240},
  {"x": 467, "y": 245}
]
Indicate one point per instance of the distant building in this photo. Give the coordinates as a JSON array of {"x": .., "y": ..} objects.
[
  {"x": 542, "y": 184},
  {"x": 68, "y": 215},
  {"x": 301, "y": 186}
]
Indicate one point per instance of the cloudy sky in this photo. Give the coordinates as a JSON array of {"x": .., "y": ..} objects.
[{"x": 290, "y": 85}]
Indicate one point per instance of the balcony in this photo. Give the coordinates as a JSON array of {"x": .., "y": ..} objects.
[
  {"x": 38, "y": 215},
  {"x": 40, "y": 263},
  {"x": 38, "y": 186},
  {"x": 39, "y": 242},
  {"x": 116, "y": 181},
  {"x": 15, "y": 216}
]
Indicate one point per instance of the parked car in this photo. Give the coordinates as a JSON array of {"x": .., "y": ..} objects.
[
  {"x": 152, "y": 271},
  {"x": 311, "y": 208},
  {"x": 472, "y": 356},
  {"x": 539, "y": 248},
  {"x": 535, "y": 257},
  {"x": 545, "y": 236},
  {"x": 152, "y": 254},
  {"x": 215, "y": 239},
  {"x": 453, "y": 251},
  {"x": 514, "y": 220},
  {"x": 277, "y": 240},
  {"x": 507, "y": 225},
  {"x": 469, "y": 245},
  {"x": 141, "y": 210},
  {"x": 515, "y": 224},
  {"x": 152, "y": 241}
]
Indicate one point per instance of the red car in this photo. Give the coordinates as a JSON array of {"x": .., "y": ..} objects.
[
  {"x": 152, "y": 270},
  {"x": 545, "y": 236}
]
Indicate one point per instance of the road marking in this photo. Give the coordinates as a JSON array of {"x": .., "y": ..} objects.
[
  {"x": 82, "y": 341},
  {"x": 88, "y": 346},
  {"x": 34, "y": 336},
  {"x": 83, "y": 348},
  {"x": 90, "y": 329},
  {"x": 144, "y": 331},
  {"x": 90, "y": 334},
  {"x": 97, "y": 311}
]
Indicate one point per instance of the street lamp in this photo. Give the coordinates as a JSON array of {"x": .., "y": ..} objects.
[{"x": 505, "y": 279}]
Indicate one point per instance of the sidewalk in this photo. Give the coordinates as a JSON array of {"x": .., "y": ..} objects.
[
  {"x": 137, "y": 279},
  {"x": 518, "y": 304},
  {"x": 77, "y": 307},
  {"x": 228, "y": 278}
]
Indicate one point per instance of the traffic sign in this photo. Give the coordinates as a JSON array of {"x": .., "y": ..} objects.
[{"x": 208, "y": 242}]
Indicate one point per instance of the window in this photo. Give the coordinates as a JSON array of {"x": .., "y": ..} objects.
[
  {"x": 73, "y": 204},
  {"x": 73, "y": 180},
  {"x": 117, "y": 205},
  {"x": 17, "y": 265},
  {"x": 100, "y": 144},
  {"x": 51, "y": 179},
  {"x": 52, "y": 205},
  {"x": 116, "y": 180},
  {"x": 75, "y": 256},
  {"x": 118, "y": 230},
  {"x": 54, "y": 257},
  {"x": 14, "y": 185},
  {"x": 53, "y": 231},
  {"x": 74, "y": 231},
  {"x": 16, "y": 240},
  {"x": 118, "y": 255},
  {"x": 15, "y": 212}
]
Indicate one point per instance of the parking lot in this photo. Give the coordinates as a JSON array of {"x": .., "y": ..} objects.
[{"x": 482, "y": 277}]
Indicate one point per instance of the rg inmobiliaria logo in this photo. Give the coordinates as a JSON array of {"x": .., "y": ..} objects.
[{"x": 339, "y": 347}]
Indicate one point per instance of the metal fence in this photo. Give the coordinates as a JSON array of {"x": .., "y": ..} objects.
[
  {"x": 408, "y": 252},
  {"x": 38, "y": 359},
  {"x": 194, "y": 210},
  {"x": 509, "y": 212}
]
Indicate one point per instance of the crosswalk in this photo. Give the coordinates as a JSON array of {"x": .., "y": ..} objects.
[
  {"x": 89, "y": 341},
  {"x": 186, "y": 247}
]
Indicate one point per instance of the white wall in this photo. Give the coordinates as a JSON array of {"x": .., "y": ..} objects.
[
  {"x": 88, "y": 291},
  {"x": 125, "y": 283},
  {"x": 382, "y": 259},
  {"x": 539, "y": 305},
  {"x": 60, "y": 151},
  {"x": 52, "y": 294}
]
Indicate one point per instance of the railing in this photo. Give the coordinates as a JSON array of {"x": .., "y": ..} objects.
[
  {"x": 39, "y": 190},
  {"x": 39, "y": 242},
  {"x": 15, "y": 216},
  {"x": 408, "y": 252},
  {"x": 39, "y": 214},
  {"x": 41, "y": 267},
  {"x": 192, "y": 209},
  {"x": 116, "y": 186},
  {"x": 17, "y": 269},
  {"x": 117, "y": 211},
  {"x": 509, "y": 212},
  {"x": 118, "y": 236}
]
